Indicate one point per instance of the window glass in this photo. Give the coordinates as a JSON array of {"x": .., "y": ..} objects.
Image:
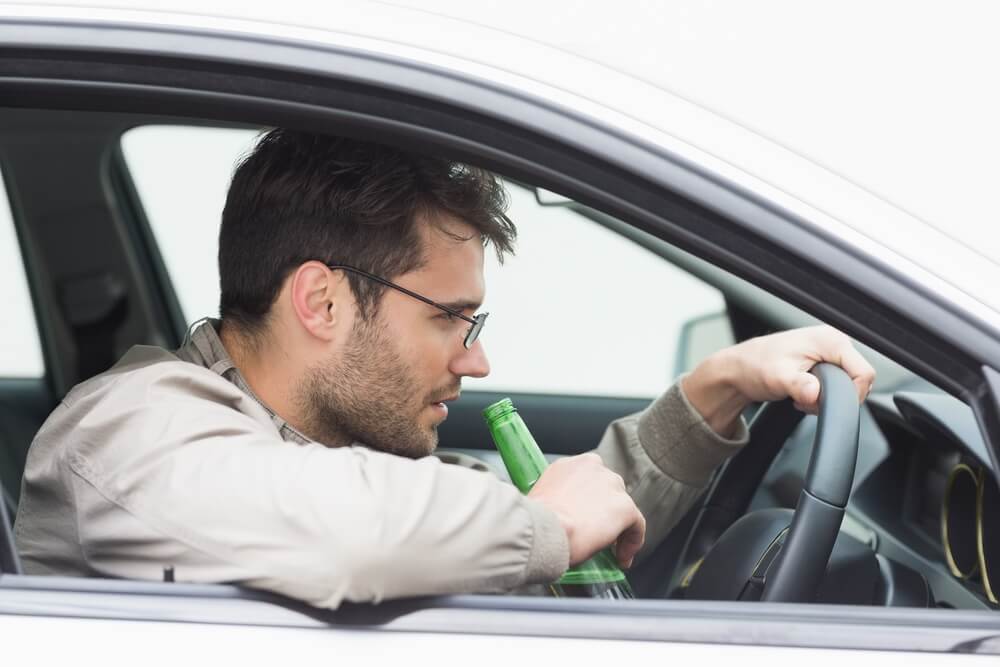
[
  {"x": 20, "y": 347},
  {"x": 578, "y": 309}
]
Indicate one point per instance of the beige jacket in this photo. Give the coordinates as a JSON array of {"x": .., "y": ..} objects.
[{"x": 168, "y": 459}]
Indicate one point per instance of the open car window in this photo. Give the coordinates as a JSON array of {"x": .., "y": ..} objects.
[{"x": 573, "y": 287}]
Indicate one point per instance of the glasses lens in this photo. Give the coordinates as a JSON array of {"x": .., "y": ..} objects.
[{"x": 474, "y": 330}]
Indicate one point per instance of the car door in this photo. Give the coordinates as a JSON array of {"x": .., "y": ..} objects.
[{"x": 547, "y": 145}]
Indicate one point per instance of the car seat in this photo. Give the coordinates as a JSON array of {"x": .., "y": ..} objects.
[{"x": 18, "y": 426}]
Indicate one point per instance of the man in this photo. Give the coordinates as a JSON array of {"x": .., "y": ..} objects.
[{"x": 286, "y": 446}]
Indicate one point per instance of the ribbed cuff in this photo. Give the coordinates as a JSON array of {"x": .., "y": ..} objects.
[
  {"x": 681, "y": 443},
  {"x": 549, "y": 556}
]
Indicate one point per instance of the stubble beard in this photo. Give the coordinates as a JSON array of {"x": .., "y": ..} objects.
[{"x": 370, "y": 397}]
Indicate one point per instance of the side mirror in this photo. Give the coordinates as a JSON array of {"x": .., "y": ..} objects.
[{"x": 700, "y": 337}]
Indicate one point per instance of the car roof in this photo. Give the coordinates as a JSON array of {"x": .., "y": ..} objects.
[{"x": 610, "y": 96}]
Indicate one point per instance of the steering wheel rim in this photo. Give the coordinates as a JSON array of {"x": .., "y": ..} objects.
[{"x": 797, "y": 571}]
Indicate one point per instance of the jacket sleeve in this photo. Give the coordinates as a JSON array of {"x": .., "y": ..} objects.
[
  {"x": 666, "y": 455},
  {"x": 191, "y": 483}
]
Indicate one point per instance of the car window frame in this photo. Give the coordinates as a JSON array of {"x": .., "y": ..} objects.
[{"x": 156, "y": 233}]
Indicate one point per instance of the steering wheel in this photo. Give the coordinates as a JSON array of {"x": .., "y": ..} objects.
[{"x": 776, "y": 555}]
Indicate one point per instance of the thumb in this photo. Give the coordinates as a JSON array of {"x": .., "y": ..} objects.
[
  {"x": 628, "y": 545},
  {"x": 805, "y": 392}
]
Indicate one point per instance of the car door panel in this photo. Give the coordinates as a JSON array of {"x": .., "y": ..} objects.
[
  {"x": 560, "y": 424},
  {"x": 458, "y": 629}
]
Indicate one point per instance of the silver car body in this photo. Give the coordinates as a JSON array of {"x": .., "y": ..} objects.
[{"x": 116, "y": 626}]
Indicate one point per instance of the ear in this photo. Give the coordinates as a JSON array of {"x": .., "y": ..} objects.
[{"x": 318, "y": 299}]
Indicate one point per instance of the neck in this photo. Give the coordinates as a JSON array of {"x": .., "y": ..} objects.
[{"x": 267, "y": 369}]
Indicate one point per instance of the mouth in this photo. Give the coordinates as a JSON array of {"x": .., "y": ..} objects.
[{"x": 441, "y": 406}]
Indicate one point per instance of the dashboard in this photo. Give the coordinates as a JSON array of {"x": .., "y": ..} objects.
[{"x": 925, "y": 498}]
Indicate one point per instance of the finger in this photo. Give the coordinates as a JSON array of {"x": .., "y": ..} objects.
[
  {"x": 631, "y": 540},
  {"x": 861, "y": 372}
]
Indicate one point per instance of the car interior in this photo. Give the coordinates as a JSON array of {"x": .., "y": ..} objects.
[{"x": 921, "y": 528}]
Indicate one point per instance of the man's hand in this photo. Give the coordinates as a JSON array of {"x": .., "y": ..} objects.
[
  {"x": 593, "y": 507},
  {"x": 771, "y": 368}
]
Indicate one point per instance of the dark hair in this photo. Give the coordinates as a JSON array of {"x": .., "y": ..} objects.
[{"x": 298, "y": 197}]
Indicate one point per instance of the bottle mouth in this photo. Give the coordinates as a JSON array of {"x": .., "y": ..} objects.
[{"x": 501, "y": 408}]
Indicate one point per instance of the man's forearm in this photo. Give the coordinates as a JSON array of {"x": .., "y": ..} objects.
[
  {"x": 712, "y": 390},
  {"x": 666, "y": 455}
]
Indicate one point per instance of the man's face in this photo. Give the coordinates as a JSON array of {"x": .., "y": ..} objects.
[{"x": 388, "y": 386}]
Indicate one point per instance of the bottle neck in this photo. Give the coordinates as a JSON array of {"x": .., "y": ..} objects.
[{"x": 520, "y": 453}]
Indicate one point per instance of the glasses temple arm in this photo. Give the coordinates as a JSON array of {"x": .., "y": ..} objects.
[{"x": 402, "y": 289}]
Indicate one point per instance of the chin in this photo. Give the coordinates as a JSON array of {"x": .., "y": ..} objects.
[
  {"x": 432, "y": 443},
  {"x": 425, "y": 446}
]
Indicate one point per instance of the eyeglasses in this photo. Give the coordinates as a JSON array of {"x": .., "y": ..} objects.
[{"x": 477, "y": 321}]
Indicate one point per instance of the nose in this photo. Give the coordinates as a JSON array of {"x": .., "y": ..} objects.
[{"x": 471, "y": 362}]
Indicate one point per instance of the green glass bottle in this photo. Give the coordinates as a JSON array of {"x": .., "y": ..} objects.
[{"x": 598, "y": 577}]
